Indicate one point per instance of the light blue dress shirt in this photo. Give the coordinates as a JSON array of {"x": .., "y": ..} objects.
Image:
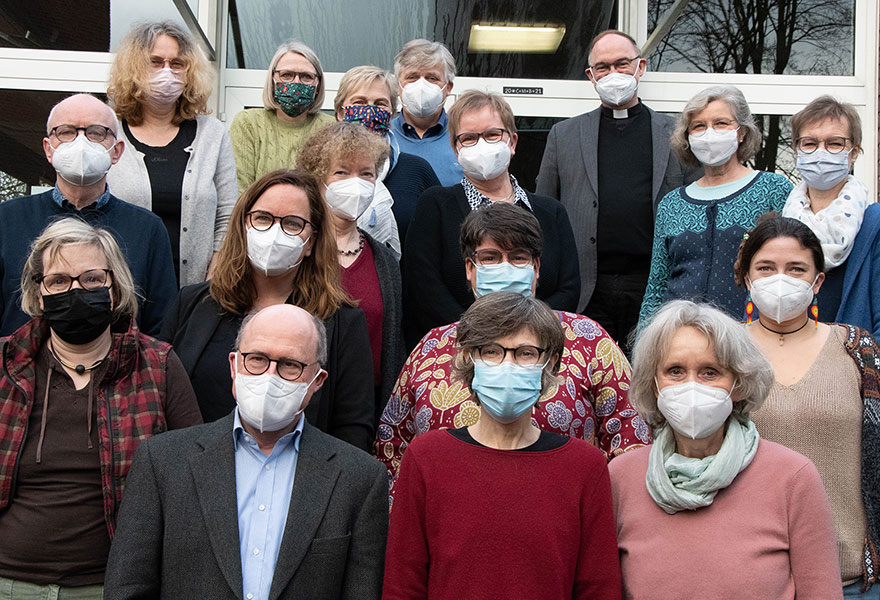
[
  {"x": 263, "y": 485},
  {"x": 434, "y": 147}
]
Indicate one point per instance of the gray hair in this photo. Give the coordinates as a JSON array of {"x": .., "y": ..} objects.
[
  {"x": 500, "y": 314},
  {"x": 742, "y": 114},
  {"x": 307, "y": 53},
  {"x": 734, "y": 350},
  {"x": 424, "y": 54},
  {"x": 320, "y": 335},
  {"x": 73, "y": 231}
]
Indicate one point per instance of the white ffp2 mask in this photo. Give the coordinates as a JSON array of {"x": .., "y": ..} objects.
[
  {"x": 421, "y": 98},
  {"x": 694, "y": 409},
  {"x": 81, "y": 162},
  {"x": 484, "y": 160},
  {"x": 350, "y": 197},
  {"x": 272, "y": 251},
  {"x": 781, "y": 297}
]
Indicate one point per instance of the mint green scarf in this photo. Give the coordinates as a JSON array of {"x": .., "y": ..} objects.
[{"x": 676, "y": 482}]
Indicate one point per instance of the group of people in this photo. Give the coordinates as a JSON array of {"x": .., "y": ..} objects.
[{"x": 308, "y": 298}]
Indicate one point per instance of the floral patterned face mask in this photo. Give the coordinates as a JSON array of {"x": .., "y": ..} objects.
[
  {"x": 294, "y": 98},
  {"x": 370, "y": 116}
]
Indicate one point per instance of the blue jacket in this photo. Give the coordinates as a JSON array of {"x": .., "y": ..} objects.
[
  {"x": 139, "y": 233},
  {"x": 860, "y": 303}
]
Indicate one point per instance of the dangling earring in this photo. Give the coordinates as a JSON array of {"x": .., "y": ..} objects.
[
  {"x": 750, "y": 308},
  {"x": 814, "y": 310}
]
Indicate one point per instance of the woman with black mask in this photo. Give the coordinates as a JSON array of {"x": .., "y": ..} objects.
[{"x": 80, "y": 387}]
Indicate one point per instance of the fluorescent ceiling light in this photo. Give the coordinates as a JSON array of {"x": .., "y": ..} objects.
[{"x": 518, "y": 38}]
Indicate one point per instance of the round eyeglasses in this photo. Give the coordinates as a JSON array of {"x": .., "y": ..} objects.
[
  {"x": 94, "y": 133},
  {"x": 257, "y": 363},
  {"x": 834, "y": 145},
  {"x": 56, "y": 283},
  {"x": 262, "y": 220},
  {"x": 526, "y": 355},
  {"x": 490, "y": 256},
  {"x": 291, "y": 76}
]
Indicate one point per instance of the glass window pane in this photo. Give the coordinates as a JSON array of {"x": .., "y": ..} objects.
[
  {"x": 532, "y": 137},
  {"x": 81, "y": 25},
  {"x": 792, "y": 37},
  {"x": 345, "y": 34}
]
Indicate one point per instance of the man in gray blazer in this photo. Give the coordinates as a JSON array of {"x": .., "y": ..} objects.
[
  {"x": 610, "y": 167},
  {"x": 258, "y": 505}
]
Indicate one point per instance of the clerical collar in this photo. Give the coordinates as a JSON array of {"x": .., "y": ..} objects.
[{"x": 613, "y": 113}]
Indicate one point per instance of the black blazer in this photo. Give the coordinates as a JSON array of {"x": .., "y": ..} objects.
[
  {"x": 437, "y": 290},
  {"x": 177, "y": 532},
  {"x": 343, "y": 407},
  {"x": 393, "y": 350}
]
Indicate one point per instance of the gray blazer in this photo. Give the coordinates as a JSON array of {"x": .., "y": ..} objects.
[
  {"x": 177, "y": 531},
  {"x": 208, "y": 194},
  {"x": 570, "y": 173}
]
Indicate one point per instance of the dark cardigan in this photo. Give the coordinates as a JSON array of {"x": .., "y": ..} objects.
[
  {"x": 343, "y": 407},
  {"x": 437, "y": 291},
  {"x": 863, "y": 348},
  {"x": 393, "y": 351}
]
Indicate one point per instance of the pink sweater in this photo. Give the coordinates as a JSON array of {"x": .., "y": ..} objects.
[{"x": 768, "y": 535}]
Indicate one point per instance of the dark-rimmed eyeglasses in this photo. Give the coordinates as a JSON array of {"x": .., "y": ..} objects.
[
  {"x": 621, "y": 64},
  {"x": 490, "y": 256},
  {"x": 56, "y": 283},
  {"x": 262, "y": 220},
  {"x": 834, "y": 145},
  {"x": 291, "y": 76},
  {"x": 94, "y": 133},
  {"x": 257, "y": 363},
  {"x": 493, "y": 135},
  {"x": 525, "y": 355}
]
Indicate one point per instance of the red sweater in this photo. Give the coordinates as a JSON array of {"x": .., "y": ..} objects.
[{"x": 473, "y": 522}]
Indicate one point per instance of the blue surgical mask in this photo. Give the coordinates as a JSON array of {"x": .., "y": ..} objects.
[
  {"x": 821, "y": 169},
  {"x": 504, "y": 277},
  {"x": 508, "y": 390}
]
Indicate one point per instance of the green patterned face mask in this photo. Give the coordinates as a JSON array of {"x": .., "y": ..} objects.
[{"x": 294, "y": 98}]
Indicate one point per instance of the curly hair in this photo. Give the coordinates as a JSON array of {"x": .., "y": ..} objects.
[
  {"x": 316, "y": 288},
  {"x": 340, "y": 142},
  {"x": 131, "y": 70}
]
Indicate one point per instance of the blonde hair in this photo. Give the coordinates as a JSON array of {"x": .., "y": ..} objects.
[
  {"x": 316, "y": 289},
  {"x": 358, "y": 77},
  {"x": 307, "y": 53},
  {"x": 475, "y": 100},
  {"x": 340, "y": 141},
  {"x": 72, "y": 231},
  {"x": 131, "y": 70}
]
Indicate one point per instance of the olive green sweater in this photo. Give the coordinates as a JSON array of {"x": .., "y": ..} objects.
[{"x": 263, "y": 143}]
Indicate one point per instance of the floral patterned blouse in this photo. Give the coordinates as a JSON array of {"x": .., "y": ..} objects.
[{"x": 588, "y": 403}]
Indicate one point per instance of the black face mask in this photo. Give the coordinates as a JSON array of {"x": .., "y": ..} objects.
[{"x": 78, "y": 316}]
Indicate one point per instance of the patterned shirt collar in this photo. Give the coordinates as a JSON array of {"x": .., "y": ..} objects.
[
  {"x": 63, "y": 202},
  {"x": 478, "y": 200}
]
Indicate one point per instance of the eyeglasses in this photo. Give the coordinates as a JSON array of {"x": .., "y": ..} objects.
[
  {"x": 175, "y": 64},
  {"x": 262, "y": 220},
  {"x": 494, "y": 354},
  {"x": 834, "y": 145},
  {"x": 518, "y": 258},
  {"x": 291, "y": 76},
  {"x": 493, "y": 135},
  {"x": 699, "y": 128},
  {"x": 257, "y": 363},
  {"x": 601, "y": 69},
  {"x": 56, "y": 283},
  {"x": 94, "y": 133}
]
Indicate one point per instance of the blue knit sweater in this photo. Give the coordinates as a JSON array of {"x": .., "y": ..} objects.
[
  {"x": 139, "y": 233},
  {"x": 696, "y": 243}
]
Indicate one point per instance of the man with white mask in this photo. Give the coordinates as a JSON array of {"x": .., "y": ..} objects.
[
  {"x": 425, "y": 71},
  {"x": 258, "y": 504},
  {"x": 81, "y": 144},
  {"x": 610, "y": 167}
]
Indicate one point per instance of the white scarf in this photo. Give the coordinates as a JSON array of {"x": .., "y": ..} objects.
[{"x": 837, "y": 224}]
